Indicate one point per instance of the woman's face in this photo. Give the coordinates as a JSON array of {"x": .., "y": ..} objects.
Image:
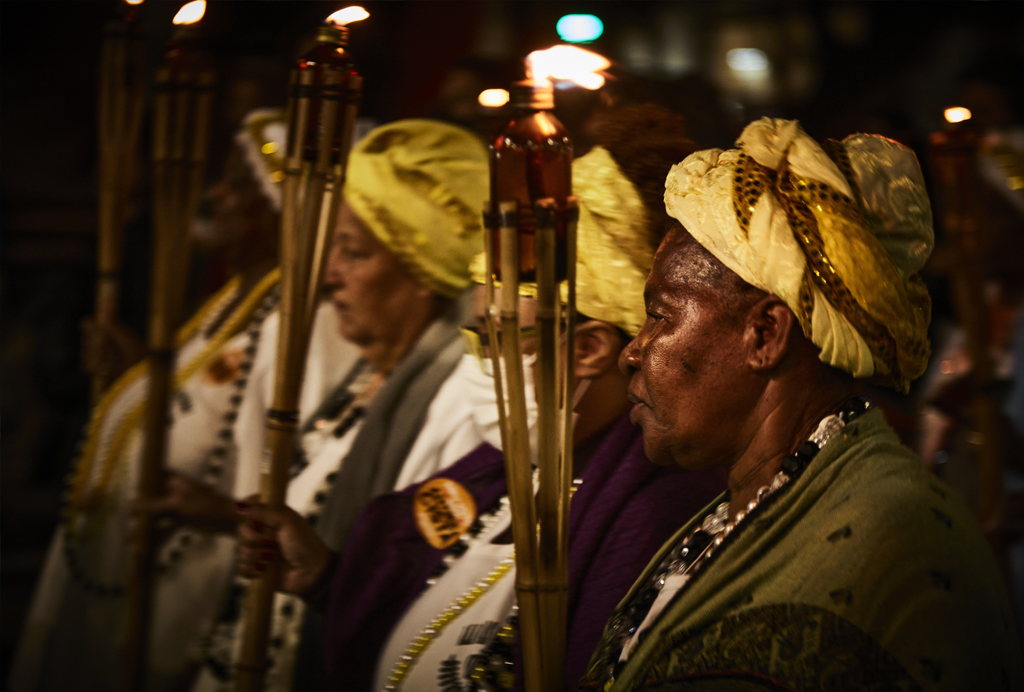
[
  {"x": 687, "y": 382},
  {"x": 236, "y": 210},
  {"x": 371, "y": 291}
]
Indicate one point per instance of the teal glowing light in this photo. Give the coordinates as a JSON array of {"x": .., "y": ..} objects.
[{"x": 579, "y": 28}]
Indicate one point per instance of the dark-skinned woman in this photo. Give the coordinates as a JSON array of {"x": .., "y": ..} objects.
[{"x": 835, "y": 560}]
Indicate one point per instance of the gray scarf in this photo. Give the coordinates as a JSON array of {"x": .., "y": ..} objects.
[{"x": 392, "y": 423}]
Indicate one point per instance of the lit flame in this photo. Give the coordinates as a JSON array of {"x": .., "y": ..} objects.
[
  {"x": 567, "y": 62},
  {"x": 191, "y": 13},
  {"x": 957, "y": 114},
  {"x": 591, "y": 80},
  {"x": 133, "y": 2},
  {"x": 355, "y": 13},
  {"x": 493, "y": 98}
]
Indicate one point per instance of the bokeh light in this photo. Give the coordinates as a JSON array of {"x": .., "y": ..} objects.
[
  {"x": 957, "y": 114},
  {"x": 579, "y": 28}
]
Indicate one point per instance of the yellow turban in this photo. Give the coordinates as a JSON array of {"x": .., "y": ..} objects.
[
  {"x": 420, "y": 185},
  {"x": 613, "y": 252},
  {"x": 261, "y": 138},
  {"x": 837, "y": 231}
]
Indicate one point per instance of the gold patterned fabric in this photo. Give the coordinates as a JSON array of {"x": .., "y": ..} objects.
[
  {"x": 838, "y": 231},
  {"x": 613, "y": 253},
  {"x": 419, "y": 186}
]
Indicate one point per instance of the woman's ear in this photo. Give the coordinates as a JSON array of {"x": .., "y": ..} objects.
[
  {"x": 598, "y": 345},
  {"x": 768, "y": 333}
]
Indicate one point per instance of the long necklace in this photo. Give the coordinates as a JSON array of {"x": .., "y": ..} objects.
[{"x": 632, "y": 621}]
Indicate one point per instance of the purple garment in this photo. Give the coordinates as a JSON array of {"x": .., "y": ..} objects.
[{"x": 625, "y": 509}]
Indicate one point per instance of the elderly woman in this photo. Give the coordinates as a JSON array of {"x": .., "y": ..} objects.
[
  {"x": 408, "y": 227},
  {"x": 834, "y": 561}
]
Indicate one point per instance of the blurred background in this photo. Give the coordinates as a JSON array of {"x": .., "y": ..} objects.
[{"x": 839, "y": 67}]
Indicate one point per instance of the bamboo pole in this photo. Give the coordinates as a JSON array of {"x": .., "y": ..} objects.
[
  {"x": 140, "y": 574},
  {"x": 119, "y": 117},
  {"x": 551, "y": 582},
  {"x": 518, "y": 463},
  {"x": 309, "y": 212},
  {"x": 565, "y": 438},
  {"x": 182, "y": 109}
]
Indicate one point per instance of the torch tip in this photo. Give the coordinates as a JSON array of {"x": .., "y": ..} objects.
[
  {"x": 346, "y": 16},
  {"x": 190, "y": 13}
]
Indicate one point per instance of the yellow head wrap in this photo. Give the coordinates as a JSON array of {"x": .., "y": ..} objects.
[
  {"x": 837, "y": 231},
  {"x": 613, "y": 252},
  {"x": 420, "y": 185}
]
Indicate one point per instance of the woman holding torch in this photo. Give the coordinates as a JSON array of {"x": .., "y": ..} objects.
[
  {"x": 391, "y": 593},
  {"x": 407, "y": 230}
]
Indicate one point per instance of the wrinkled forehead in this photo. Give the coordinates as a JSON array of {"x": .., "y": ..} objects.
[{"x": 681, "y": 262}]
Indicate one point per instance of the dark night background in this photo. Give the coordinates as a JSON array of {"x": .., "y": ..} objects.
[{"x": 886, "y": 67}]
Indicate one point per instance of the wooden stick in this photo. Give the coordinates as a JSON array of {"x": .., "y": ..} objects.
[
  {"x": 139, "y": 591},
  {"x": 551, "y": 585},
  {"x": 491, "y": 317},
  {"x": 309, "y": 213},
  {"x": 119, "y": 114},
  {"x": 518, "y": 465},
  {"x": 182, "y": 110},
  {"x": 565, "y": 457},
  {"x": 570, "y": 218}
]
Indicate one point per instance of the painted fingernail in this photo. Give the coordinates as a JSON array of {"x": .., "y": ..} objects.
[
  {"x": 256, "y": 525},
  {"x": 269, "y": 544},
  {"x": 242, "y": 506},
  {"x": 267, "y": 555}
]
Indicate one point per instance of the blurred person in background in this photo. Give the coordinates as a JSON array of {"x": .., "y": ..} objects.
[{"x": 70, "y": 637}]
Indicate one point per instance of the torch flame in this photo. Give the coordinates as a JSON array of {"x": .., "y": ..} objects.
[
  {"x": 957, "y": 114},
  {"x": 191, "y": 13},
  {"x": 567, "y": 62},
  {"x": 355, "y": 13},
  {"x": 493, "y": 98}
]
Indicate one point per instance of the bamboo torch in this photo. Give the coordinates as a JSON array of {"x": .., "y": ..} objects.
[
  {"x": 954, "y": 162},
  {"x": 181, "y": 124},
  {"x": 531, "y": 237},
  {"x": 322, "y": 108},
  {"x": 119, "y": 119}
]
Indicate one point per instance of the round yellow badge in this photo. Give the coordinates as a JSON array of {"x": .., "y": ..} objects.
[{"x": 444, "y": 510}]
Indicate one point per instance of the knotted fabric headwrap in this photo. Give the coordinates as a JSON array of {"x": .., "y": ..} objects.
[
  {"x": 262, "y": 139},
  {"x": 614, "y": 254},
  {"x": 838, "y": 231},
  {"x": 419, "y": 186}
]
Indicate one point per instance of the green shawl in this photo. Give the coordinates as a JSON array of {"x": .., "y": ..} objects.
[{"x": 867, "y": 573}]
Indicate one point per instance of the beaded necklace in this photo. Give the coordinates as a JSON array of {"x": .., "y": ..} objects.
[{"x": 632, "y": 621}]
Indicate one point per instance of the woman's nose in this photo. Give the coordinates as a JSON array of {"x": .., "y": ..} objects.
[{"x": 629, "y": 359}]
